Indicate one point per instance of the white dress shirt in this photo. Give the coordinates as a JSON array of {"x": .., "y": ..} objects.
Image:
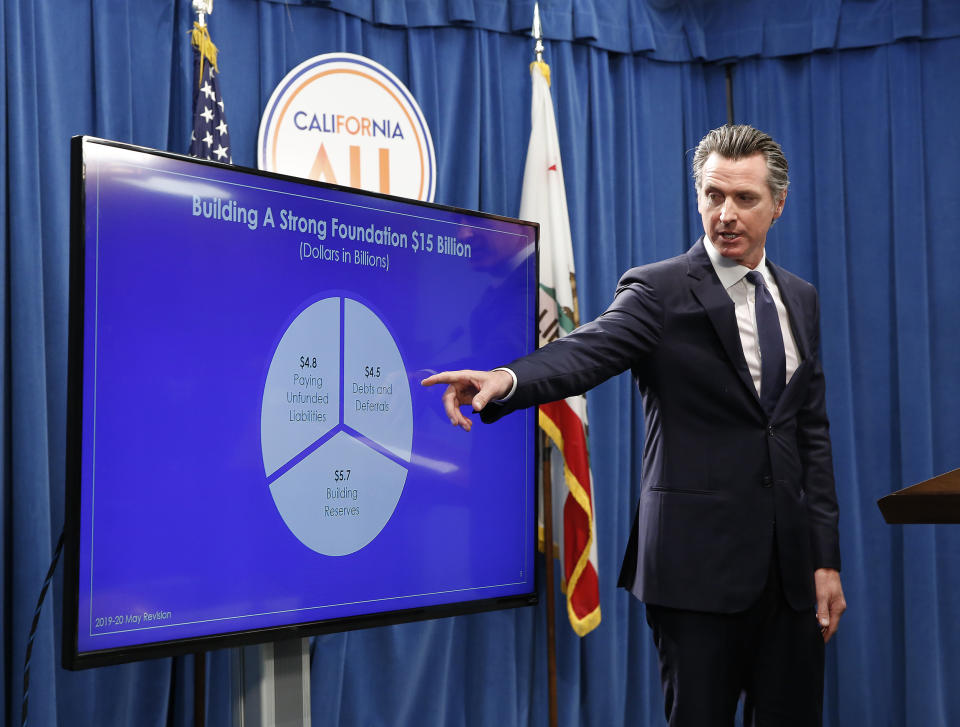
[{"x": 743, "y": 294}]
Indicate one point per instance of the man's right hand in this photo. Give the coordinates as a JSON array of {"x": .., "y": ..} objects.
[{"x": 470, "y": 388}]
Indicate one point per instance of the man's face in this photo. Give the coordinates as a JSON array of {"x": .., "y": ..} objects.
[{"x": 737, "y": 207}]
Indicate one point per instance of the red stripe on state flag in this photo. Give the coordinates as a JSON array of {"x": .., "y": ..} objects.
[
  {"x": 574, "y": 444},
  {"x": 567, "y": 432},
  {"x": 582, "y": 600}
]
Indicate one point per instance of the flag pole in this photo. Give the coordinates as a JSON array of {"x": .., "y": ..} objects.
[
  {"x": 549, "y": 585},
  {"x": 202, "y": 9},
  {"x": 537, "y": 33},
  {"x": 547, "y": 498}
]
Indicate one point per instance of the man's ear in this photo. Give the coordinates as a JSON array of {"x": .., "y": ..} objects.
[{"x": 778, "y": 209}]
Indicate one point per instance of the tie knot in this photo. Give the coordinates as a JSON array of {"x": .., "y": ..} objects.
[{"x": 756, "y": 278}]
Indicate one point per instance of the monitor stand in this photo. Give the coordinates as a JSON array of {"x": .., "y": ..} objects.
[{"x": 271, "y": 684}]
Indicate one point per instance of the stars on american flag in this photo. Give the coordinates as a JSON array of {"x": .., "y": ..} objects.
[{"x": 210, "y": 138}]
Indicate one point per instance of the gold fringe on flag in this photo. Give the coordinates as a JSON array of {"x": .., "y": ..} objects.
[{"x": 200, "y": 38}]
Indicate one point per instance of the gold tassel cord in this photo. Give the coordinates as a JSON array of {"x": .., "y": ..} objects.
[
  {"x": 200, "y": 38},
  {"x": 543, "y": 68}
]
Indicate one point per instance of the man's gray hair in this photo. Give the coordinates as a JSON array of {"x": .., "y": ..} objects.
[{"x": 740, "y": 141}]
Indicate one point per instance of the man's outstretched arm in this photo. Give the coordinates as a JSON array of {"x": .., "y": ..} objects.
[{"x": 627, "y": 331}]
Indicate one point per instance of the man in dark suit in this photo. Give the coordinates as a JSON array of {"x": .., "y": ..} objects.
[{"x": 734, "y": 548}]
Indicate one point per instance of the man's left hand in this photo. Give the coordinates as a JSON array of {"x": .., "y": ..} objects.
[{"x": 830, "y": 601}]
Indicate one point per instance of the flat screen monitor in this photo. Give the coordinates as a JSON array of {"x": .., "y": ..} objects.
[{"x": 251, "y": 456}]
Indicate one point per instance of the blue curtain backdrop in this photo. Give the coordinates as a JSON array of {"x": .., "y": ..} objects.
[
  {"x": 875, "y": 132},
  {"x": 863, "y": 95}
]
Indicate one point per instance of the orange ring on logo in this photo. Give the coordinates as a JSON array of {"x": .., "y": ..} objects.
[{"x": 286, "y": 106}]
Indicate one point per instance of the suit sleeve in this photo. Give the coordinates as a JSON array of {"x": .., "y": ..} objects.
[
  {"x": 817, "y": 458},
  {"x": 612, "y": 343}
]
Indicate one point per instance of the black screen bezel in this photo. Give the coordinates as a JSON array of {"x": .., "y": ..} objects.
[{"x": 71, "y": 657}]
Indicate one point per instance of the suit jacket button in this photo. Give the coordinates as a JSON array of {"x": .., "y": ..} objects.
[
  {"x": 770, "y": 431},
  {"x": 767, "y": 481}
]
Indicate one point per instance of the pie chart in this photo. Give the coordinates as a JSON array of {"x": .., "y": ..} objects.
[{"x": 336, "y": 426}]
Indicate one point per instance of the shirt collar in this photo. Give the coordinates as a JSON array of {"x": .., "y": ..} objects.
[{"x": 729, "y": 271}]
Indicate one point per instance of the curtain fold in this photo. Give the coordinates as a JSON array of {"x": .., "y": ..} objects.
[
  {"x": 678, "y": 30},
  {"x": 870, "y": 135}
]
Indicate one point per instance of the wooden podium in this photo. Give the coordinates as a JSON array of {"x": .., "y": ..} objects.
[{"x": 933, "y": 501}]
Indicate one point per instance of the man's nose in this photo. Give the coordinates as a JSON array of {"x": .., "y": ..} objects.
[{"x": 728, "y": 212}]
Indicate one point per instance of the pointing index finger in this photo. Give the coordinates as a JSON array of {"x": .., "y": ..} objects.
[{"x": 444, "y": 377}]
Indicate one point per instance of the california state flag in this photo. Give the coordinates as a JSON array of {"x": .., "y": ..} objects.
[{"x": 544, "y": 200}]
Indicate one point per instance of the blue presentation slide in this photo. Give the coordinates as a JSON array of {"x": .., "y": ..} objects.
[{"x": 257, "y": 450}]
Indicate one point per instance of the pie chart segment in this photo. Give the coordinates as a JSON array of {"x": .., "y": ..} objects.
[
  {"x": 336, "y": 426},
  {"x": 340, "y": 496},
  {"x": 301, "y": 398},
  {"x": 376, "y": 390}
]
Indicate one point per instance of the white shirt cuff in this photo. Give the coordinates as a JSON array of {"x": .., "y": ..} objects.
[{"x": 513, "y": 388}]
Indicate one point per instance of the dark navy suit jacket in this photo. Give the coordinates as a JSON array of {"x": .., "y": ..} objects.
[{"x": 721, "y": 478}]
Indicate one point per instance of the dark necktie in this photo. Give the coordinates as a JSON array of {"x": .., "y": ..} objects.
[{"x": 773, "y": 360}]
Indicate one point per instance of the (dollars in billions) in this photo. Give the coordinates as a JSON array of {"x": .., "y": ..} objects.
[{"x": 337, "y": 378}]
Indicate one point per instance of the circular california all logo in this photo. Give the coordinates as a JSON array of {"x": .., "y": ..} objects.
[{"x": 346, "y": 119}]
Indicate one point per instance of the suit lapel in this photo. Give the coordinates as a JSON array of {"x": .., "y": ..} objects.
[{"x": 709, "y": 292}]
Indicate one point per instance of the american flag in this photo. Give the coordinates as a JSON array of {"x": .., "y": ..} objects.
[{"x": 210, "y": 138}]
